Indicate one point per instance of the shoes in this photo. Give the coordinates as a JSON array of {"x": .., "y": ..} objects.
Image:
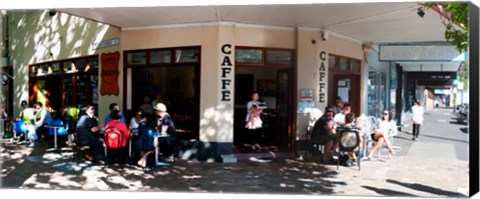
[
  {"x": 31, "y": 145},
  {"x": 99, "y": 162},
  {"x": 89, "y": 157},
  {"x": 413, "y": 139},
  {"x": 392, "y": 152}
]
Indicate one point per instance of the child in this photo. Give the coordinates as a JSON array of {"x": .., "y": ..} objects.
[
  {"x": 254, "y": 121},
  {"x": 32, "y": 134}
]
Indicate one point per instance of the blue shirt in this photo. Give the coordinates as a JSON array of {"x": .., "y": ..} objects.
[{"x": 107, "y": 119}]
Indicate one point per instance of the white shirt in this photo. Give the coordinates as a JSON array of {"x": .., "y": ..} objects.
[
  {"x": 134, "y": 124},
  {"x": 417, "y": 114},
  {"x": 385, "y": 126},
  {"x": 339, "y": 119}
]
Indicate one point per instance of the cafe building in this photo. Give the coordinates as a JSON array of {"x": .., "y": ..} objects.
[{"x": 205, "y": 73}]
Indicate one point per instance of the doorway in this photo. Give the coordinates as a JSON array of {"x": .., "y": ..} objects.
[
  {"x": 275, "y": 89},
  {"x": 347, "y": 87}
]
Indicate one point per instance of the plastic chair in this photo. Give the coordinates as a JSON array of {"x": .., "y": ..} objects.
[
  {"x": 369, "y": 142},
  {"x": 349, "y": 142},
  {"x": 20, "y": 126},
  {"x": 56, "y": 129},
  {"x": 113, "y": 139}
]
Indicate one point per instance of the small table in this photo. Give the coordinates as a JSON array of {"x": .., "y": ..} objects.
[
  {"x": 55, "y": 148},
  {"x": 157, "y": 150}
]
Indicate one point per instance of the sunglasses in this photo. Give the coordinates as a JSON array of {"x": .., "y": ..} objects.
[
  {"x": 385, "y": 113},
  {"x": 330, "y": 111},
  {"x": 139, "y": 114}
]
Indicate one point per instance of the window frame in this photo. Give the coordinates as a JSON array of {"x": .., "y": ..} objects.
[{"x": 264, "y": 62}]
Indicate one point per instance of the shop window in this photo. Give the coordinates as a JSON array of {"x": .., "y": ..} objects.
[
  {"x": 93, "y": 63},
  {"x": 279, "y": 57},
  {"x": 186, "y": 55},
  {"x": 39, "y": 70},
  {"x": 251, "y": 56},
  {"x": 160, "y": 57},
  {"x": 65, "y": 83},
  {"x": 137, "y": 58},
  {"x": 332, "y": 61},
  {"x": 344, "y": 64},
  {"x": 376, "y": 92},
  {"x": 355, "y": 66},
  {"x": 80, "y": 64}
]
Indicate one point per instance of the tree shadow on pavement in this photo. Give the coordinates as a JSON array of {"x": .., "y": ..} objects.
[
  {"x": 32, "y": 168},
  {"x": 425, "y": 188},
  {"x": 389, "y": 192}
]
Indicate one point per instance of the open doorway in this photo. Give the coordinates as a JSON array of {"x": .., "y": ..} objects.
[{"x": 275, "y": 90}]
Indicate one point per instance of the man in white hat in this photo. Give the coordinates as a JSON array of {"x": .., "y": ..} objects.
[{"x": 165, "y": 125}]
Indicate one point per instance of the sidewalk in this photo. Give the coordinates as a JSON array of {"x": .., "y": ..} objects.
[{"x": 406, "y": 174}]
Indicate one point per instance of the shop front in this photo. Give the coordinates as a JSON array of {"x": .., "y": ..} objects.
[{"x": 204, "y": 73}]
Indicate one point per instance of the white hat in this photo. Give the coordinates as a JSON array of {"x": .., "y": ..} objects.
[{"x": 160, "y": 107}]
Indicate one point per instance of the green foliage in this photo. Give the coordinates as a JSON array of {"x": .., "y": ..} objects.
[{"x": 458, "y": 15}]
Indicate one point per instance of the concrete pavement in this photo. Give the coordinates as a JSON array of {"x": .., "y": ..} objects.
[{"x": 435, "y": 166}]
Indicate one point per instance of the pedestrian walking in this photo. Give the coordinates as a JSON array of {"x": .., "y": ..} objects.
[{"x": 417, "y": 119}]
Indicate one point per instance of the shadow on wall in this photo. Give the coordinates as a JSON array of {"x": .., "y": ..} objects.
[{"x": 41, "y": 37}]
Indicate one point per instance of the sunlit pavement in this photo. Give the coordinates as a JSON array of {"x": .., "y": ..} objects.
[{"x": 418, "y": 170}]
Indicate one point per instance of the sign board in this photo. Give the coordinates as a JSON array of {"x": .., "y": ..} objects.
[
  {"x": 107, "y": 43},
  {"x": 110, "y": 74},
  {"x": 306, "y": 94},
  {"x": 420, "y": 53}
]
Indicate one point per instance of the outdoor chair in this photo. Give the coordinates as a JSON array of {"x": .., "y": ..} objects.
[
  {"x": 113, "y": 139},
  {"x": 20, "y": 127},
  {"x": 57, "y": 128},
  {"x": 314, "y": 148},
  {"x": 349, "y": 141},
  {"x": 369, "y": 142},
  {"x": 76, "y": 147}
]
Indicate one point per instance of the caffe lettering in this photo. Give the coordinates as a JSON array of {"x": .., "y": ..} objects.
[
  {"x": 321, "y": 77},
  {"x": 226, "y": 67}
]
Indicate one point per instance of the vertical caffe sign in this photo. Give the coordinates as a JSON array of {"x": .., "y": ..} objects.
[
  {"x": 109, "y": 74},
  {"x": 226, "y": 77},
  {"x": 322, "y": 77}
]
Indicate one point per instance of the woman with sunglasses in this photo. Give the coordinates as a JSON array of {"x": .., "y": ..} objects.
[
  {"x": 381, "y": 130},
  {"x": 136, "y": 121}
]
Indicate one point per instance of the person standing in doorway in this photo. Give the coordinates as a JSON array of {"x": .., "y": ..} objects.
[
  {"x": 417, "y": 119},
  {"x": 253, "y": 123}
]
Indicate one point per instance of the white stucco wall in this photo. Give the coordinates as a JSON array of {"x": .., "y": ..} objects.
[{"x": 38, "y": 37}]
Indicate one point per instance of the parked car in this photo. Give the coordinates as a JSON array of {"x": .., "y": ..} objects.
[{"x": 462, "y": 112}]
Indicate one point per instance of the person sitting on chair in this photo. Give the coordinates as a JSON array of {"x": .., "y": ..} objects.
[
  {"x": 324, "y": 133},
  {"x": 144, "y": 142},
  {"x": 381, "y": 130},
  {"x": 350, "y": 123},
  {"x": 164, "y": 125},
  {"x": 89, "y": 134},
  {"x": 41, "y": 124},
  {"x": 115, "y": 115}
]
